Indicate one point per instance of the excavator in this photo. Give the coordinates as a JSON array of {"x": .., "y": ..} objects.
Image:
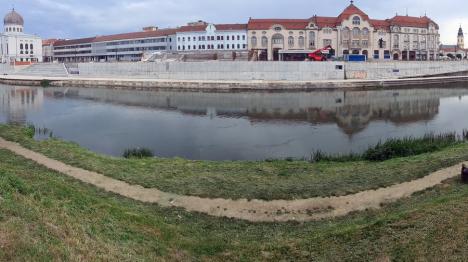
[{"x": 322, "y": 54}]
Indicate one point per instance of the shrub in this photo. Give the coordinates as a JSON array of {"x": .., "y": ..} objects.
[
  {"x": 397, "y": 147},
  {"x": 45, "y": 82},
  {"x": 138, "y": 153}
]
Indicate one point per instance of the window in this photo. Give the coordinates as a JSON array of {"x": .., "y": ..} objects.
[
  {"x": 365, "y": 33},
  {"x": 327, "y": 42},
  {"x": 311, "y": 39},
  {"x": 243, "y": 37},
  {"x": 277, "y": 39},
  {"x": 301, "y": 42},
  {"x": 356, "y": 20},
  {"x": 21, "y": 46},
  {"x": 278, "y": 28},
  {"x": 264, "y": 41},
  {"x": 291, "y": 41},
  {"x": 356, "y": 32},
  {"x": 345, "y": 33},
  {"x": 238, "y": 37},
  {"x": 253, "y": 41},
  {"x": 376, "y": 54},
  {"x": 228, "y": 38}
]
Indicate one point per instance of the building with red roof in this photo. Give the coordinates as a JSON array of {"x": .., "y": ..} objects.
[{"x": 351, "y": 32}]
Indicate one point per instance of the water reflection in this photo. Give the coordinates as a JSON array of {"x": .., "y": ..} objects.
[{"x": 234, "y": 126}]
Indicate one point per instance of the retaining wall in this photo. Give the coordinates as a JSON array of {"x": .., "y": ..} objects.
[
  {"x": 218, "y": 70},
  {"x": 6, "y": 69},
  {"x": 403, "y": 69}
]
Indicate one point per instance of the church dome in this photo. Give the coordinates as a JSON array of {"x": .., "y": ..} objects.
[{"x": 13, "y": 18}]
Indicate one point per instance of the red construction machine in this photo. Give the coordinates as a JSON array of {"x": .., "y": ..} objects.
[{"x": 321, "y": 54}]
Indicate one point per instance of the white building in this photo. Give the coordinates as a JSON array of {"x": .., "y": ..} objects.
[
  {"x": 16, "y": 46},
  {"x": 119, "y": 47},
  {"x": 201, "y": 36}
]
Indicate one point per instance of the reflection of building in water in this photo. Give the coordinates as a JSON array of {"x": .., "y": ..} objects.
[
  {"x": 16, "y": 101},
  {"x": 351, "y": 111}
]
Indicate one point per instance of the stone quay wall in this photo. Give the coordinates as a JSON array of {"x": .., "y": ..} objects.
[{"x": 273, "y": 71}]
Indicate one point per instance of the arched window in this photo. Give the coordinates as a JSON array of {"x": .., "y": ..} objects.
[
  {"x": 301, "y": 42},
  {"x": 356, "y": 20},
  {"x": 356, "y": 32},
  {"x": 14, "y": 29},
  {"x": 345, "y": 33},
  {"x": 277, "y": 39},
  {"x": 264, "y": 41},
  {"x": 21, "y": 46},
  {"x": 31, "y": 46},
  {"x": 26, "y": 46},
  {"x": 365, "y": 33},
  {"x": 311, "y": 39},
  {"x": 291, "y": 41},
  {"x": 253, "y": 41}
]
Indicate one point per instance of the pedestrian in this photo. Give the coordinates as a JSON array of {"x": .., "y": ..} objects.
[{"x": 464, "y": 174}]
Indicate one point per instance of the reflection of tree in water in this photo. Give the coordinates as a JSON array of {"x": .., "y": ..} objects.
[{"x": 16, "y": 101}]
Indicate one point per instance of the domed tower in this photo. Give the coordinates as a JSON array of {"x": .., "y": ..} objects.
[
  {"x": 13, "y": 22},
  {"x": 461, "y": 39}
]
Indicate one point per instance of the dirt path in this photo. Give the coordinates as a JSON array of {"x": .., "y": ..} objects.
[{"x": 255, "y": 210}]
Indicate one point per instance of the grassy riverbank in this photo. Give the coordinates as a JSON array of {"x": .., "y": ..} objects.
[
  {"x": 243, "y": 179},
  {"x": 46, "y": 216}
]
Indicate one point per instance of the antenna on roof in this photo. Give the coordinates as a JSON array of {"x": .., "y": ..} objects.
[
  {"x": 352, "y": 1},
  {"x": 407, "y": 11}
]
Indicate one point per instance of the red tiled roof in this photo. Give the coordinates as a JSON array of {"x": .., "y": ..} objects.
[
  {"x": 135, "y": 35},
  {"x": 106, "y": 38},
  {"x": 411, "y": 21},
  {"x": 323, "y": 21},
  {"x": 352, "y": 10},
  {"x": 75, "y": 41},
  {"x": 289, "y": 24},
  {"x": 46, "y": 42},
  {"x": 379, "y": 24}
]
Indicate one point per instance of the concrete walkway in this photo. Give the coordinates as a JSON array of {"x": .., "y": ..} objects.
[
  {"x": 226, "y": 86},
  {"x": 255, "y": 210}
]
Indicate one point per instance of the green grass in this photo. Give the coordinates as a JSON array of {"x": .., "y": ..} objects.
[
  {"x": 45, "y": 216},
  {"x": 243, "y": 179}
]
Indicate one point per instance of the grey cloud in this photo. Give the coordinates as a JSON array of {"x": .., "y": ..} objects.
[{"x": 80, "y": 18}]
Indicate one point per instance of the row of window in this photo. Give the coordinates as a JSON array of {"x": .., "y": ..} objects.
[
  {"x": 14, "y": 29},
  {"x": 145, "y": 41},
  {"x": 136, "y": 49},
  {"x": 211, "y": 38},
  {"x": 26, "y": 46},
  {"x": 219, "y": 46},
  {"x": 72, "y": 47}
]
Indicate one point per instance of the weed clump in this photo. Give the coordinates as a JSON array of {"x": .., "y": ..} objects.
[
  {"x": 398, "y": 147},
  {"x": 45, "y": 83},
  {"x": 137, "y": 153}
]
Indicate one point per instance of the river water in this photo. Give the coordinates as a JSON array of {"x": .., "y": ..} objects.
[{"x": 234, "y": 126}]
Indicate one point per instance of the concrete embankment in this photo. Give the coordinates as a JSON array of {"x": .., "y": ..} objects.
[{"x": 230, "y": 86}]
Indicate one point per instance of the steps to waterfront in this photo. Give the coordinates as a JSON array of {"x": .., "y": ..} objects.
[{"x": 44, "y": 70}]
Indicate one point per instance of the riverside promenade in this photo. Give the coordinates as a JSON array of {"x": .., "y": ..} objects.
[
  {"x": 226, "y": 85},
  {"x": 232, "y": 76}
]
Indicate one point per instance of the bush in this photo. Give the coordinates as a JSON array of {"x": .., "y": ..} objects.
[
  {"x": 138, "y": 153},
  {"x": 410, "y": 146},
  {"x": 45, "y": 82},
  {"x": 398, "y": 147}
]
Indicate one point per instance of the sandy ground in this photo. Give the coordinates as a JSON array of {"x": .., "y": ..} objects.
[{"x": 253, "y": 210}]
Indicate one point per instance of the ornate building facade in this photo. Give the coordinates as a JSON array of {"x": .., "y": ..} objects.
[
  {"x": 16, "y": 46},
  {"x": 352, "y": 32}
]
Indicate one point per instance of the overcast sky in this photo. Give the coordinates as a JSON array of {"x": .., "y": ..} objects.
[{"x": 82, "y": 18}]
